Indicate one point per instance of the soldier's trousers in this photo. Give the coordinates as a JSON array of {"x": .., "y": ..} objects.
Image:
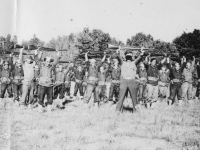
[
  {"x": 84, "y": 88},
  {"x": 59, "y": 90},
  {"x": 198, "y": 90},
  {"x": 44, "y": 90},
  {"x": 5, "y": 87},
  {"x": 127, "y": 85},
  {"x": 17, "y": 90},
  {"x": 163, "y": 91},
  {"x": 186, "y": 91},
  {"x": 36, "y": 90},
  {"x": 175, "y": 90},
  {"x": 90, "y": 88},
  {"x": 100, "y": 92},
  {"x": 78, "y": 86},
  {"x": 142, "y": 92},
  {"x": 27, "y": 93},
  {"x": 114, "y": 91},
  {"x": 152, "y": 92},
  {"x": 67, "y": 88}
]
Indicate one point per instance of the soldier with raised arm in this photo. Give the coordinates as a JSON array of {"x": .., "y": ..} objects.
[
  {"x": 18, "y": 77},
  {"x": 28, "y": 67},
  {"x": 47, "y": 67},
  {"x": 92, "y": 79},
  {"x": 128, "y": 81}
]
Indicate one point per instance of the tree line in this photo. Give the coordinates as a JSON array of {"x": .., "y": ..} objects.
[{"x": 96, "y": 40}]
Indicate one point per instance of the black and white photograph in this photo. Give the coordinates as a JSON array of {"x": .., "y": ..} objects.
[{"x": 99, "y": 74}]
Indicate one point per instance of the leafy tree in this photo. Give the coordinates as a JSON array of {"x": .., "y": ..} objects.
[
  {"x": 8, "y": 38},
  {"x": 140, "y": 39},
  {"x": 7, "y": 43},
  {"x": 59, "y": 43},
  {"x": 164, "y": 47},
  {"x": 188, "y": 40},
  {"x": 67, "y": 46},
  {"x": 95, "y": 40},
  {"x": 116, "y": 42},
  {"x": 188, "y": 43},
  {"x": 33, "y": 41},
  {"x": 36, "y": 41}
]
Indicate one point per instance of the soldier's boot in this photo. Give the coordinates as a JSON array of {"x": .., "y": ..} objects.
[
  {"x": 148, "y": 105},
  {"x": 61, "y": 102},
  {"x": 81, "y": 97},
  {"x": 16, "y": 103},
  {"x": 169, "y": 102}
]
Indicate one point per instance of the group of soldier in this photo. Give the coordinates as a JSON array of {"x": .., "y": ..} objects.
[{"x": 33, "y": 82}]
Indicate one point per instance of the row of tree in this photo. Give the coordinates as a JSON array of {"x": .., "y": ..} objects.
[{"x": 96, "y": 40}]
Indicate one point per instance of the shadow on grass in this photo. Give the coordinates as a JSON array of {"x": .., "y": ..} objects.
[
  {"x": 67, "y": 101},
  {"x": 127, "y": 109}
]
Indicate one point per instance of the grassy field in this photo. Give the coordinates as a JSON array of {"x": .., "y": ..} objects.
[{"x": 75, "y": 127}]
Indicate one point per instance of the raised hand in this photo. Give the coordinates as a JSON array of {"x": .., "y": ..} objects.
[
  {"x": 167, "y": 59},
  {"x": 142, "y": 50},
  {"x": 118, "y": 50},
  {"x": 11, "y": 54}
]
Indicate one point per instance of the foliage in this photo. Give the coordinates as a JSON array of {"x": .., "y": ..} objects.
[
  {"x": 164, "y": 46},
  {"x": 161, "y": 128},
  {"x": 59, "y": 43},
  {"x": 140, "y": 39},
  {"x": 116, "y": 42},
  {"x": 95, "y": 40},
  {"x": 33, "y": 41},
  {"x": 188, "y": 42},
  {"x": 6, "y": 43},
  {"x": 157, "y": 47},
  {"x": 67, "y": 45}
]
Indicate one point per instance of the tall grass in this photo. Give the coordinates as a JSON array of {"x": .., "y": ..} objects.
[{"x": 75, "y": 127}]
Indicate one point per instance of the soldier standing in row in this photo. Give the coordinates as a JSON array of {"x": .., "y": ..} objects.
[{"x": 128, "y": 80}]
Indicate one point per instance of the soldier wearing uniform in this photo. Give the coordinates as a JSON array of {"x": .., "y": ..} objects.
[
  {"x": 128, "y": 81},
  {"x": 142, "y": 77},
  {"x": 18, "y": 76},
  {"x": 188, "y": 75},
  {"x": 79, "y": 75},
  {"x": 92, "y": 79},
  {"x": 6, "y": 77},
  {"x": 176, "y": 81},
  {"x": 46, "y": 81},
  {"x": 115, "y": 73},
  {"x": 59, "y": 86},
  {"x": 28, "y": 67}
]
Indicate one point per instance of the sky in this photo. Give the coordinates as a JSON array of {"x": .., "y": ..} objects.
[{"x": 163, "y": 19}]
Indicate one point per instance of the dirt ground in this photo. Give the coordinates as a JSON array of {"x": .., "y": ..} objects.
[{"x": 75, "y": 127}]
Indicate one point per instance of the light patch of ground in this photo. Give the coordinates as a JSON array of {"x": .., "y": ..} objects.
[{"x": 76, "y": 127}]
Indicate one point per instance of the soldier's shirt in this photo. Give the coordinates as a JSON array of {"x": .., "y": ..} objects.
[
  {"x": 78, "y": 74},
  {"x": 128, "y": 69},
  {"x": 115, "y": 73}
]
